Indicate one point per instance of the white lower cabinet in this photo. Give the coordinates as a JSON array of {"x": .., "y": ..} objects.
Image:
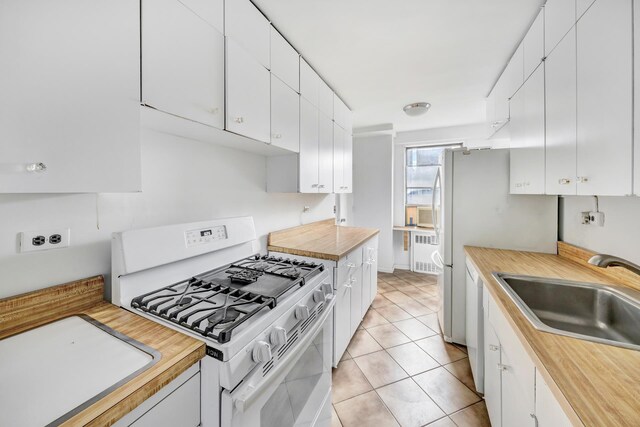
[
  {"x": 182, "y": 63},
  {"x": 176, "y": 404},
  {"x": 341, "y": 321},
  {"x": 514, "y": 391},
  {"x": 357, "y": 290}
]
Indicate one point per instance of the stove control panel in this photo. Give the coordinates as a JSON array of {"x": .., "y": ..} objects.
[{"x": 205, "y": 235}]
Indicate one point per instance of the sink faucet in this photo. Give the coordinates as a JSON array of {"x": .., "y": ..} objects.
[{"x": 605, "y": 261}]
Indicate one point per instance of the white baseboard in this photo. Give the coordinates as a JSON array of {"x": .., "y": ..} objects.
[
  {"x": 385, "y": 270},
  {"x": 402, "y": 267}
]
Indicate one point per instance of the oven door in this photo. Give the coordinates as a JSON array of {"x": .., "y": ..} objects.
[{"x": 296, "y": 392}]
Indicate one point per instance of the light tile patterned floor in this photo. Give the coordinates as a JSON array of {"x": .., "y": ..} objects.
[{"x": 398, "y": 371}]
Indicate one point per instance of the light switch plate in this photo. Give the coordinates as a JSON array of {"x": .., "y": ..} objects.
[{"x": 42, "y": 240}]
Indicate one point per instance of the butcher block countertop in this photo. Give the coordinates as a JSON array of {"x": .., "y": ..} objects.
[
  {"x": 322, "y": 240},
  {"x": 177, "y": 351},
  {"x": 596, "y": 384}
]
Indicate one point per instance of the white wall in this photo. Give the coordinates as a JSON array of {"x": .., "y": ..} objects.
[
  {"x": 372, "y": 199},
  {"x": 621, "y": 232},
  {"x": 183, "y": 181}
]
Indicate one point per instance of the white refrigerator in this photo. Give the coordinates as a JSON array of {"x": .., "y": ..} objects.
[{"x": 473, "y": 207}]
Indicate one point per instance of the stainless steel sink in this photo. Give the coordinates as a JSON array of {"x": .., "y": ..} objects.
[{"x": 599, "y": 313}]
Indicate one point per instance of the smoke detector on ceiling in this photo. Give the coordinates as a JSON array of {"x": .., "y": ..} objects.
[{"x": 416, "y": 109}]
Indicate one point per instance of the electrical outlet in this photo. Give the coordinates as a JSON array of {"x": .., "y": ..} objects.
[
  {"x": 593, "y": 218},
  {"x": 42, "y": 240}
]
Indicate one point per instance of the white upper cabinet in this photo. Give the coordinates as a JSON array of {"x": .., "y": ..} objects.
[
  {"x": 509, "y": 82},
  {"x": 582, "y": 6},
  {"x": 211, "y": 11},
  {"x": 560, "y": 88},
  {"x": 285, "y": 61},
  {"x": 347, "y": 171},
  {"x": 248, "y": 94},
  {"x": 308, "y": 166},
  {"x": 285, "y": 116},
  {"x": 534, "y": 45},
  {"x": 325, "y": 154},
  {"x": 605, "y": 91},
  {"x": 338, "y": 159},
  {"x": 309, "y": 83},
  {"x": 636, "y": 110},
  {"x": 527, "y": 156},
  {"x": 248, "y": 27},
  {"x": 559, "y": 17},
  {"x": 341, "y": 114},
  {"x": 70, "y": 96},
  {"x": 182, "y": 62},
  {"x": 325, "y": 99}
]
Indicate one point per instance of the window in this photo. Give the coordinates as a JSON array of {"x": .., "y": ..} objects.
[{"x": 421, "y": 167}]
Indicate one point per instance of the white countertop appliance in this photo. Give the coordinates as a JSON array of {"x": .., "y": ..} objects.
[
  {"x": 474, "y": 208},
  {"x": 266, "y": 321}
]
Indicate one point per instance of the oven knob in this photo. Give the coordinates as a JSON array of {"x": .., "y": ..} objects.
[
  {"x": 278, "y": 336},
  {"x": 261, "y": 352},
  {"x": 302, "y": 312},
  {"x": 318, "y": 295},
  {"x": 327, "y": 288}
]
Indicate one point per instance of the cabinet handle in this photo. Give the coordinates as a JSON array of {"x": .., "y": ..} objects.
[
  {"x": 277, "y": 135},
  {"x": 348, "y": 286},
  {"x": 36, "y": 167},
  {"x": 564, "y": 181},
  {"x": 502, "y": 367},
  {"x": 321, "y": 186},
  {"x": 239, "y": 120},
  {"x": 583, "y": 179},
  {"x": 314, "y": 185},
  {"x": 351, "y": 265},
  {"x": 535, "y": 419},
  {"x": 494, "y": 347}
]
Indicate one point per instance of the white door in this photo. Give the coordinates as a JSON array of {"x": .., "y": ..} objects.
[
  {"x": 285, "y": 61},
  {"x": 308, "y": 147},
  {"x": 325, "y": 154},
  {"x": 285, "y": 116},
  {"x": 366, "y": 282},
  {"x": 474, "y": 326},
  {"x": 549, "y": 413},
  {"x": 309, "y": 83},
  {"x": 70, "y": 96},
  {"x": 560, "y": 88},
  {"x": 342, "y": 321},
  {"x": 182, "y": 63},
  {"x": 374, "y": 272},
  {"x": 516, "y": 405},
  {"x": 325, "y": 99},
  {"x": 355, "y": 278},
  {"x": 347, "y": 163},
  {"x": 248, "y": 27},
  {"x": 338, "y": 159},
  {"x": 492, "y": 380},
  {"x": 559, "y": 17},
  {"x": 527, "y": 136},
  {"x": 605, "y": 94},
  {"x": 533, "y": 45},
  {"x": 248, "y": 94}
]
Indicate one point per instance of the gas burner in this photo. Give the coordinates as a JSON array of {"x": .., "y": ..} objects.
[
  {"x": 292, "y": 271},
  {"x": 244, "y": 276},
  {"x": 260, "y": 265},
  {"x": 222, "y": 316}
]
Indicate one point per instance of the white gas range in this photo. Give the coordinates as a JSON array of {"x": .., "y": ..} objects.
[{"x": 266, "y": 321}]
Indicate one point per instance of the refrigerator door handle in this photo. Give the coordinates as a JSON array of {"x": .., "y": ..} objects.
[{"x": 437, "y": 259}]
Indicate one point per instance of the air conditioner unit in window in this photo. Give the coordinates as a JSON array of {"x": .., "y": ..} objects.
[{"x": 425, "y": 216}]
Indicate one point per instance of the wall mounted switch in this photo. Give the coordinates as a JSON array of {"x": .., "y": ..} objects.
[{"x": 41, "y": 240}]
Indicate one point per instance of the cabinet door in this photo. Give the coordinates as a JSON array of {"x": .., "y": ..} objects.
[
  {"x": 70, "y": 96},
  {"x": 513, "y": 75},
  {"x": 325, "y": 154},
  {"x": 285, "y": 116},
  {"x": 527, "y": 136},
  {"x": 347, "y": 163},
  {"x": 636, "y": 109},
  {"x": 549, "y": 413},
  {"x": 338, "y": 159},
  {"x": 285, "y": 61},
  {"x": 248, "y": 94},
  {"x": 211, "y": 11},
  {"x": 559, "y": 17},
  {"x": 248, "y": 27},
  {"x": 340, "y": 112},
  {"x": 309, "y": 83},
  {"x": 605, "y": 92},
  {"x": 374, "y": 272},
  {"x": 355, "y": 278},
  {"x": 560, "y": 88},
  {"x": 534, "y": 45},
  {"x": 308, "y": 147},
  {"x": 517, "y": 400},
  {"x": 325, "y": 99},
  {"x": 501, "y": 105},
  {"x": 492, "y": 387},
  {"x": 342, "y": 322},
  {"x": 366, "y": 284},
  {"x": 182, "y": 63}
]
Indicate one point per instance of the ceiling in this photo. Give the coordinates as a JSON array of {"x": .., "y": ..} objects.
[{"x": 380, "y": 55}]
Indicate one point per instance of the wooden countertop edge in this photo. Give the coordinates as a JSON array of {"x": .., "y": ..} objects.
[
  {"x": 302, "y": 252},
  {"x": 555, "y": 390}
]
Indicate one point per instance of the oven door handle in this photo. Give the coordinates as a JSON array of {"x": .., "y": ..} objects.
[{"x": 252, "y": 392}]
